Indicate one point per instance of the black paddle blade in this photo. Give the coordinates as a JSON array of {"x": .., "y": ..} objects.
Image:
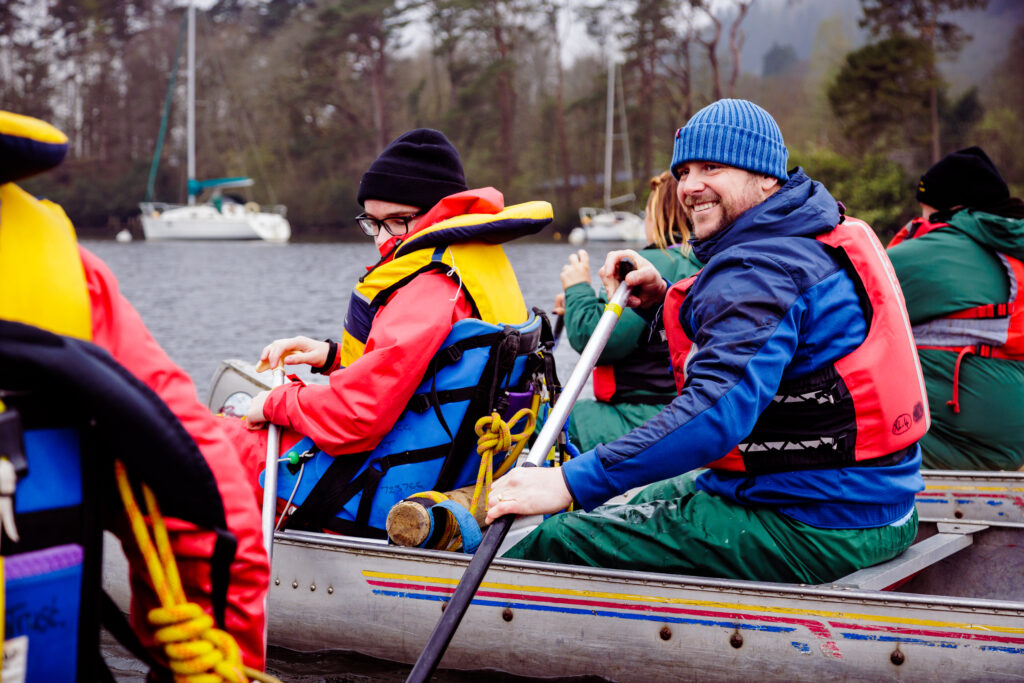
[{"x": 461, "y": 598}]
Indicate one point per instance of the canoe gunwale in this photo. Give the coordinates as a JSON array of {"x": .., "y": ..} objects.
[{"x": 833, "y": 593}]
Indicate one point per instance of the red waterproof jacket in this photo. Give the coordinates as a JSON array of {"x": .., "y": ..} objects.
[
  {"x": 117, "y": 327},
  {"x": 361, "y": 402}
]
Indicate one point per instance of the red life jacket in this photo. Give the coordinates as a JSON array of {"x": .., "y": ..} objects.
[
  {"x": 865, "y": 406},
  {"x": 989, "y": 330},
  {"x": 641, "y": 377}
]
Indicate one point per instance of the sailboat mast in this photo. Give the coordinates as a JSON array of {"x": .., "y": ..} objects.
[
  {"x": 609, "y": 134},
  {"x": 191, "y": 100}
]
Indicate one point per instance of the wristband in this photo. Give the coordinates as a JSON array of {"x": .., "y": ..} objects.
[{"x": 332, "y": 353}]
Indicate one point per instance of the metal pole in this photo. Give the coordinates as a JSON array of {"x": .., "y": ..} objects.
[
  {"x": 270, "y": 474},
  {"x": 191, "y": 100},
  {"x": 625, "y": 138},
  {"x": 485, "y": 554},
  {"x": 609, "y": 135}
]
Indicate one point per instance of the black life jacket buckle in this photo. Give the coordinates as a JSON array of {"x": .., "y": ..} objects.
[
  {"x": 454, "y": 353},
  {"x": 419, "y": 403}
]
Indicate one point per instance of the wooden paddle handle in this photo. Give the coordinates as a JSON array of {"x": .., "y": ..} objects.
[{"x": 408, "y": 522}]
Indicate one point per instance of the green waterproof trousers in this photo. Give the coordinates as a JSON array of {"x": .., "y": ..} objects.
[
  {"x": 673, "y": 528},
  {"x": 597, "y": 422}
]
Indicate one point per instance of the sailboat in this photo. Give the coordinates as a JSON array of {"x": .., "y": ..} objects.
[
  {"x": 222, "y": 217},
  {"x": 607, "y": 224}
]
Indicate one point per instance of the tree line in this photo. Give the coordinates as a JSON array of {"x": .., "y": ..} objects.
[{"x": 302, "y": 94}]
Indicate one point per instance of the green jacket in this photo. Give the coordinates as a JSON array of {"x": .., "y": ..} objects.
[
  {"x": 950, "y": 269},
  {"x": 638, "y": 361}
]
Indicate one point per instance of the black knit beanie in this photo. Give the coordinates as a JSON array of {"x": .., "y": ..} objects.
[
  {"x": 964, "y": 178},
  {"x": 418, "y": 168}
]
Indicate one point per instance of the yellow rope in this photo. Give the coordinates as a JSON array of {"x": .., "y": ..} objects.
[
  {"x": 495, "y": 436},
  {"x": 197, "y": 652}
]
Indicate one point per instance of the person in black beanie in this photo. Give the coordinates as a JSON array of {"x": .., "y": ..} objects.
[
  {"x": 966, "y": 178},
  {"x": 961, "y": 267},
  {"x": 441, "y": 262},
  {"x": 420, "y": 168}
]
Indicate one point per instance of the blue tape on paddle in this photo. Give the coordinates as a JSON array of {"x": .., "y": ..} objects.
[{"x": 468, "y": 528}]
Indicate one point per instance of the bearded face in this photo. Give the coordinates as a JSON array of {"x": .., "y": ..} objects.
[{"x": 714, "y": 195}]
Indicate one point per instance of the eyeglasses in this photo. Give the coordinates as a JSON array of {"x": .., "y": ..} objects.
[{"x": 395, "y": 225}]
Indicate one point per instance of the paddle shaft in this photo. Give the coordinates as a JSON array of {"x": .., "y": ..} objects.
[
  {"x": 270, "y": 474},
  {"x": 485, "y": 554}
]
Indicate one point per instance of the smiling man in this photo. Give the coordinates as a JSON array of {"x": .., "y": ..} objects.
[{"x": 802, "y": 393}]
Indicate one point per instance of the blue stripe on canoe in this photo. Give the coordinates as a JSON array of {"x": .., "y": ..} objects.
[
  {"x": 899, "y": 639},
  {"x": 600, "y": 613},
  {"x": 1003, "y": 648}
]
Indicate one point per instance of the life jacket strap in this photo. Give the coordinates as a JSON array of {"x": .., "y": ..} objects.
[
  {"x": 1003, "y": 310},
  {"x": 955, "y": 402}
]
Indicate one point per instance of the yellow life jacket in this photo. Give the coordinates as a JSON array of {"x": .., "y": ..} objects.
[
  {"x": 42, "y": 282},
  {"x": 467, "y": 248}
]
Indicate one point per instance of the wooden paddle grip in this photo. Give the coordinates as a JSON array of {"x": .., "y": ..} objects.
[{"x": 408, "y": 522}]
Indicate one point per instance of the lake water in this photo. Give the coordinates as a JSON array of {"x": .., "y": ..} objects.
[{"x": 206, "y": 301}]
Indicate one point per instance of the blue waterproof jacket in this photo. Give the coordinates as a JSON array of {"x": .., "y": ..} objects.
[{"x": 771, "y": 304}]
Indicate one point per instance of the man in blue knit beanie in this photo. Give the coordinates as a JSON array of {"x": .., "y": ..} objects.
[{"x": 800, "y": 389}]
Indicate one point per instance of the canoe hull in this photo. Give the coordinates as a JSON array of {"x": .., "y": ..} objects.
[{"x": 535, "y": 619}]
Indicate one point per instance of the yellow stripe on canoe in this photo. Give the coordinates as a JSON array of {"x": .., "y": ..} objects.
[{"x": 700, "y": 603}]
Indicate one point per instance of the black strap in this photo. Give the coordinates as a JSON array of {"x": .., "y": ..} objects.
[
  {"x": 224, "y": 550},
  {"x": 420, "y": 403},
  {"x": 436, "y": 403}
]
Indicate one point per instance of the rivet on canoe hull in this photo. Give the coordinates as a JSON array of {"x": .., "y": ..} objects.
[
  {"x": 736, "y": 640},
  {"x": 295, "y": 583},
  {"x": 506, "y": 614},
  {"x": 665, "y": 633},
  {"x": 897, "y": 657},
  {"x": 330, "y": 590},
  {"x": 959, "y": 514},
  {"x": 312, "y": 587},
  {"x": 277, "y": 581}
]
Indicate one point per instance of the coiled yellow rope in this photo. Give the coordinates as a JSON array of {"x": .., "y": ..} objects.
[
  {"x": 197, "y": 652},
  {"x": 495, "y": 436}
]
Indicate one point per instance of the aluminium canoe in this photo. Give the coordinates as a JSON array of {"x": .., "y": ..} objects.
[
  {"x": 951, "y": 607},
  {"x": 960, "y": 614}
]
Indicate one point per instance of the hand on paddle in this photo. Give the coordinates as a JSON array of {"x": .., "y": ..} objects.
[
  {"x": 559, "y": 307},
  {"x": 294, "y": 351},
  {"x": 528, "y": 491},
  {"x": 577, "y": 270},
  {"x": 255, "y": 419},
  {"x": 648, "y": 286}
]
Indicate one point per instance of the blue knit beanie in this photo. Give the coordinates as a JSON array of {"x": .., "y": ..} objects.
[{"x": 735, "y": 133}]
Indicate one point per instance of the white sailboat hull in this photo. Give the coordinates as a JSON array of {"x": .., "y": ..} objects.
[
  {"x": 205, "y": 222},
  {"x": 608, "y": 226}
]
